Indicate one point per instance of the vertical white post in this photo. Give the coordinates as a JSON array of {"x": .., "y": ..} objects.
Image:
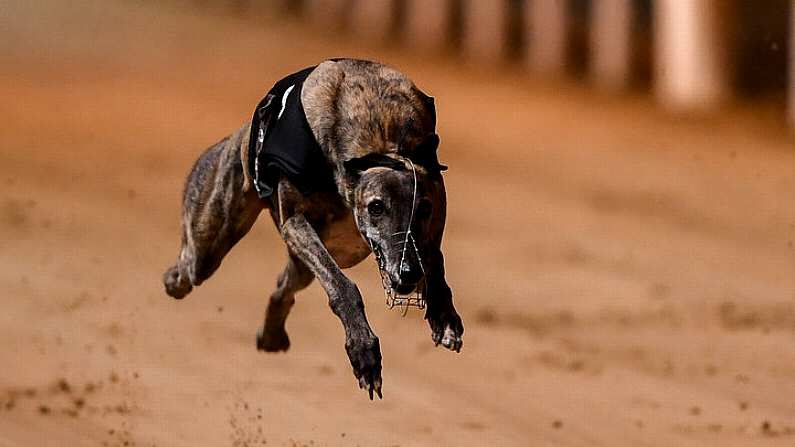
[
  {"x": 484, "y": 29},
  {"x": 691, "y": 57},
  {"x": 611, "y": 43},
  {"x": 372, "y": 18},
  {"x": 546, "y": 32},
  {"x": 427, "y": 23}
]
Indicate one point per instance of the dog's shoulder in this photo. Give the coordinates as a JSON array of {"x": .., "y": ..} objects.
[{"x": 319, "y": 98}]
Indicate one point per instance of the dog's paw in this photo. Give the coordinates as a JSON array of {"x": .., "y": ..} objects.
[
  {"x": 365, "y": 356},
  {"x": 272, "y": 340},
  {"x": 448, "y": 334},
  {"x": 450, "y": 339},
  {"x": 176, "y": 286}
]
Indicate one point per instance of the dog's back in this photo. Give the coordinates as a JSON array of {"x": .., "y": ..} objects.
[{"x": 375, "y": 108}]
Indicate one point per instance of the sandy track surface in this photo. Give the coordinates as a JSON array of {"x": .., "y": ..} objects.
[{"x": 624, "y": 278}]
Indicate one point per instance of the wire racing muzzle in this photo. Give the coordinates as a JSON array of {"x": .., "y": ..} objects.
[{"x": 408, "y": 246}]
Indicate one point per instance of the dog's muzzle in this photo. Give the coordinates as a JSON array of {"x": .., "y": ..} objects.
[{"x": 409, "y": 289}]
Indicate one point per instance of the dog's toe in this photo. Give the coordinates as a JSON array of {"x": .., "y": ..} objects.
[{"x": 451, "y": 340}]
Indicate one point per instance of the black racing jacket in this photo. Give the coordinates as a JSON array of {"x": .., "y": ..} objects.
[{"x": 282, "y": 143}]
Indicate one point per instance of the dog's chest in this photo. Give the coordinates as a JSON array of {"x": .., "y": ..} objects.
[
  {"x": 343, "y": 242},
  {"x": 336, "y": 226}
]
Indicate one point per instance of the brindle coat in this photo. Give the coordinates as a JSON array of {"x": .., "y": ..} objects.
[{"x": 369, "y": 120}]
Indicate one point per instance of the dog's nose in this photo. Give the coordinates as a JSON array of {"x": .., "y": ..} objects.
[{"x": 410, "y": 274}]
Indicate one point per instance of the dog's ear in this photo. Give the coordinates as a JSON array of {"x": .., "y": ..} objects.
[
  {"x": 355, "y": 166},
  {"x": 430, "y": 104},
  {"x": 425, "y": 154}
]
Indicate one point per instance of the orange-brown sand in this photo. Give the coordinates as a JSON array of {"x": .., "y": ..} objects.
[{"x": 625, "y": 278}]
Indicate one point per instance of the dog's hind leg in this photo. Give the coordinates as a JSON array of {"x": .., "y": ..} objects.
[
  {"x": 218, "y": 210},
  {"x": 295, "y": 277}
]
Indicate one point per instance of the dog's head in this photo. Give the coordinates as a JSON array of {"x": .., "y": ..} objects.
[
  {"x": 400, "y": 210},
  {"x": 378, "y": 130}
]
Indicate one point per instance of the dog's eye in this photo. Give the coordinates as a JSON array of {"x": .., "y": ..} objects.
[
  {"x": 375, "y": 208},
  {"x": 424, "y": 209}
]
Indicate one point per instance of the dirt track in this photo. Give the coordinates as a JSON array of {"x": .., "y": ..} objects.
[{"x": 624, "y": 278}]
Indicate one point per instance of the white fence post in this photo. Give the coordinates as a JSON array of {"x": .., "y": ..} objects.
[{"x": 690, "y": 53}]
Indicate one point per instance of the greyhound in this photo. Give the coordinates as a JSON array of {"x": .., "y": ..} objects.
[{"x": 343, "y": 157}]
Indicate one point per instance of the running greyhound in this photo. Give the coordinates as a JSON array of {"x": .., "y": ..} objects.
[{"x": 343, "y": 157}]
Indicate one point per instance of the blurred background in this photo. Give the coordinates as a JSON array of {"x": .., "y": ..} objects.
[{"x": 620, "y": 238}]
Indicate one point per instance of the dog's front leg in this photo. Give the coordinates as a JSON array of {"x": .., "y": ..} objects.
[
  {"x": 446, "y": 326},
  {"x": 345, "y": 300}
]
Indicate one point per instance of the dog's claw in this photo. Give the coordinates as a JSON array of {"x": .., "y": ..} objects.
[
  {"x": 449, "y": 338},
  {"x": 365, "y": 356},
  {"x": 377, "y": 386},
  {"x": 371, "y": 388}
]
